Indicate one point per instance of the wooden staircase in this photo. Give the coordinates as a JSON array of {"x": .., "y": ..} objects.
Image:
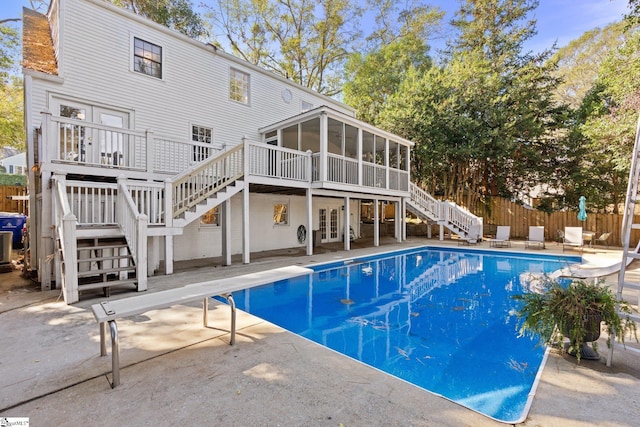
[{"x": 105, "y": 262}]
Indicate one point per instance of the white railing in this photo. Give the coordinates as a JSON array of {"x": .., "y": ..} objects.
[
  {"x": 93, "y": 203},
  {"x": 398, "y": 179},
  {"x": 277, "y": 162},
  {"x": 429, "y": 204},
  {"x": 65, "y": 236},
  {"x": 134, "y": 227},
  {"x": 171, "y": 156},
  {"x": 446, "y": 213},
  {"x": 374, "y": 175},
  {"x": 149, "y": 199},
  {"x": 195, "y": 185},
  {"x": 342, "y": 169},
  {"x": 80, "y": 142},
  {"x": 460, "y": 218}
]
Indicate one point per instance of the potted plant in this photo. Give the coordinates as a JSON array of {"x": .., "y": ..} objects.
[{"x": 573, "y": 310}]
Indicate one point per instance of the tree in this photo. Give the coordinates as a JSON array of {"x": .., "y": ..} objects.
[
  {"x": 11, "y": 115},
  {"x": 484, "y": 121},
  {"x": 609, "y": 123},
  {"x": 579, "y": 61},
  {"x": 175, "y": 14},
  {"x": 373, "y": 76},
  {"x": 9, "y": 42},
  {"x": 305, "y": 40}
]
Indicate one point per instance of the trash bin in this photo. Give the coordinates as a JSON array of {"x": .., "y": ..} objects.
[
  {"x": 316, "y": 238},
  {"x": 13, "y": 222}
]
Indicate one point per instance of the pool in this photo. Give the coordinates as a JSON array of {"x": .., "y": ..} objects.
[{"x": 440, "y": 319}]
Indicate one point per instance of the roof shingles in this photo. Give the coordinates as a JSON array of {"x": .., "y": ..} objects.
[{"x": 37, "y": 45}]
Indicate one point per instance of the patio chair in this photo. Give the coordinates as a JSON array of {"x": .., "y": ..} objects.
[
  {"x": 503, "y": 237},
  {"x": 602, "y": 240},
  {"x": 536, "y": 237},
  {"x": 572, "y": 238},
  {"x": 474, "y": 236}
]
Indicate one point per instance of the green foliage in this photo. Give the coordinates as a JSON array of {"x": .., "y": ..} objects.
[
  {"x": 9, "y": 42},
  {"x": 9, "y": 179},
  {"x": 307, "y": 41},
  {"x": 11, "y": 115},
  {"x": 175, "y": 14},
  {"x": 372, "y": 77},
  {"x": 484, "y": 121},
  {"x": 557, "y": 312}
]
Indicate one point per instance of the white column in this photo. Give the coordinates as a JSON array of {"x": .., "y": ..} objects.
[
  {"x": 309, "y": 201},
  {"x": 246, "y": 237},
  {"x": 168, "y": 254},
  {"x": 376, "y": 223},
  {"x": 347, "y": 240},
  {"x": 225, "y": 220}
]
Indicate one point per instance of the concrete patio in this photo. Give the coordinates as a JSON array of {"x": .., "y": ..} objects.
[{"x": 174, "y": 371}]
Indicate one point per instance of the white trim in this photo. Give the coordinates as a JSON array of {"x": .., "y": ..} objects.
[
  {"x": 216, "y": 51},
  {"x": 248, "y": 85},
  {"x": 132, "y": 48}
]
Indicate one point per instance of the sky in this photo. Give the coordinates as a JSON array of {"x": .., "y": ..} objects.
[{"x": 558, "y": 20}]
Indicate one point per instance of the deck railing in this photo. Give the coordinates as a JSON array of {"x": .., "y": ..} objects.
[
  {"x": 73, "y": 141},
  {"x": 65, "y": 236},
  {"x": 199, "y": 183},
  {"x": 271, "y": 161},
  {"x": 134, "y": 226},
  {"x": 93, "y": 203}
]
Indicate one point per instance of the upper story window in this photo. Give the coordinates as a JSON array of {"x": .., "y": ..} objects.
[
  {"x": 147, "y": 58},
  {"x": 239, "y": 86}
]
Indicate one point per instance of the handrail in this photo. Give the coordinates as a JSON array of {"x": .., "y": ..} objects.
[
  {"x": 207, "y": 178},
  {"x": 65, "y": 230},
  {"x": 445, "y": 212},
  {"x": 134, "y": 227}
]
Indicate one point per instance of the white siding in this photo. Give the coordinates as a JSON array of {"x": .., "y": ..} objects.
[
  {"x": 206, "y": 241},
  {"x": 195, "y": 85}
]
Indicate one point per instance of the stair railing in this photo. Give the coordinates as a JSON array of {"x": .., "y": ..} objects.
[
  {"x": 429, "y": 204},
  {"x": 65, "y": 233},
  {"x": 203, "y": 180},
  {"x": 445, "y": 213},
  {"x": 134, "y": 227}
]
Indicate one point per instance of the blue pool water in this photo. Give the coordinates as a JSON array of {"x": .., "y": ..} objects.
[{"x": 440, "y": 319}]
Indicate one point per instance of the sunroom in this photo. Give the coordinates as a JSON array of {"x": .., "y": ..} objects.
[{"x": 344, "y": 154}]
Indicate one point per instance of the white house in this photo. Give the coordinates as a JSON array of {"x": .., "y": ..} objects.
[
  {"x": 15, "y": 165},
  {"x": 146, "y": 147}
]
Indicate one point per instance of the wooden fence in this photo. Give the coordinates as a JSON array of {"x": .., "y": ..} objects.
[
  {"x": 9, "y": 205},
  {"x": 505, "y": 212}
]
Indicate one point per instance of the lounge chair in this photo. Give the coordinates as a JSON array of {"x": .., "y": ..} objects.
[
  {"x": 474, "y": 236},
  {"x": 503, "y": 236},
  {"x": 536, "y": 237},
  {"x": 573, "y": 238},
  {"x": 602, "y": 240}
]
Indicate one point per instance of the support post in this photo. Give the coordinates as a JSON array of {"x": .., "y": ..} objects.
[{"x": 225, "y": 211}]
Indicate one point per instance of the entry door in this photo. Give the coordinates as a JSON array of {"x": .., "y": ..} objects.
[
  {"x": 87, "y": 145},
  {"x": 111, "y": 147},
  {"x": 329, "y": 225}
]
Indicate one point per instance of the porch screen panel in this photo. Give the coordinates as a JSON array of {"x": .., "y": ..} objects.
[
  {"x": 290, "y": 137},
  {"x": 310, "y": 135},
  {"x": 334, "y": 137}
]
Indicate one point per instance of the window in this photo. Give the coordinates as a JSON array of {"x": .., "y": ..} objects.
[
  {"x": 212, "y": 217},
  {"x": 201, "y": 135},
  {"x": 280, "y": 214},
  {"x": 306, "y": 106},
  {"x": 147, "y": 58},
  {"x": 239, "y": 86}
]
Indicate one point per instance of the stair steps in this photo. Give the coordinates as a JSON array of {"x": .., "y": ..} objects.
[{"x": 104, "y": 263}]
